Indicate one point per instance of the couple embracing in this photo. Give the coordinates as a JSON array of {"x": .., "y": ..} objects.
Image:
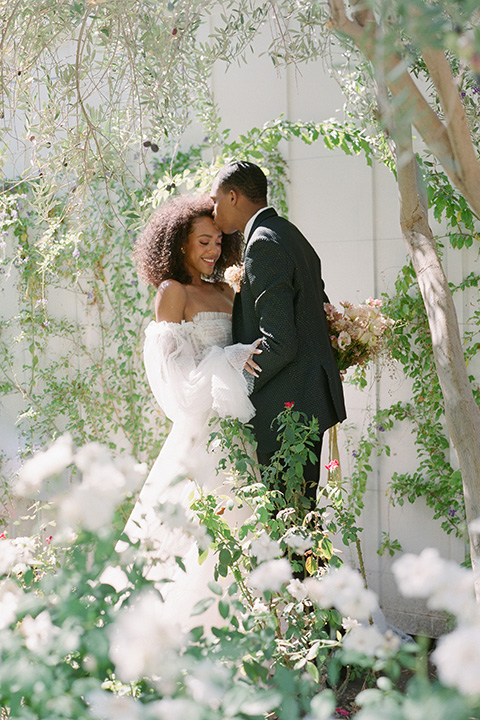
[{"x": 211, "y": 352}]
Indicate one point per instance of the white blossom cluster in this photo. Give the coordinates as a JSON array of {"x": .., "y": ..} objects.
[
  {"x": 344, "y": 590},
  {"x": 143, "y": 643},
  {"x": 91, "y": 502},
  {"x": 273, "y": 571},
  {"x": 17, "y": 554},
  {"x": 447, "y": 586}
]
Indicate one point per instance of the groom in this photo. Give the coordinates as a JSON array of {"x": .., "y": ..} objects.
[{"x": 281, "y": 300}]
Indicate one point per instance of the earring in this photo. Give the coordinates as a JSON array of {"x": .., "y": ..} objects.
[{"x": 182, "y": 250}]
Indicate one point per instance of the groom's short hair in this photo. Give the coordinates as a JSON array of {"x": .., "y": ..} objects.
[{"x": 245, "y": 177}]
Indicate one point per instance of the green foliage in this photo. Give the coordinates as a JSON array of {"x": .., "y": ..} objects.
[
  {"x": 276, "y": 494},
  {"x": 389, "y": 545}
]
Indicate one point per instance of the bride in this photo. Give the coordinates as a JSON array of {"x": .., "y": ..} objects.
[{"x": 195, "y": 374}]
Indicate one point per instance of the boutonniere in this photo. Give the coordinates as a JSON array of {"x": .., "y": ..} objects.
[{"x": 234, "y": 275}]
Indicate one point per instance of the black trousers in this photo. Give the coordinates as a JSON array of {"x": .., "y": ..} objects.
[{"x": 311, "y": 471}]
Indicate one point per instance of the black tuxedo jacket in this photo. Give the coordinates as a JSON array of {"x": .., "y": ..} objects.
[{"x": 281, "y": 300}]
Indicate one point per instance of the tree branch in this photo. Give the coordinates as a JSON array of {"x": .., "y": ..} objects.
[{"x": 455, "y": 118}]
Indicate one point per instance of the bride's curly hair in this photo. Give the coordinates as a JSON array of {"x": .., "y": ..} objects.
[{"x": 158, "y": 249}]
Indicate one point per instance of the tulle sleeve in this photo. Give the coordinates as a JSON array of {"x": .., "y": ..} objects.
[{"x": 184, "y": 386}]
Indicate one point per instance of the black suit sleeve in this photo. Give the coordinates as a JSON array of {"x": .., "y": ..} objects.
[{"x": 270, "y": 271}]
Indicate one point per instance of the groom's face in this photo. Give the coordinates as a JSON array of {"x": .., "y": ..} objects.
[{"x": 223, "y": 209}]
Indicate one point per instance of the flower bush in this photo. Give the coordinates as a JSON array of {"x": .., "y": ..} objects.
[{"x": 81, "y": 628}]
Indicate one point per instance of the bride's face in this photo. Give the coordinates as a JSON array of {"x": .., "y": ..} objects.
[{"x": 203, "y": 248}]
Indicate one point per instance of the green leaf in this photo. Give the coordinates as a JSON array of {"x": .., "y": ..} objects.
[
  {"x": 202, "y": 605},
  {"x": 215, "y": 587},
  {"x": 224, "y": 608},
  {"x": 313, "y": 671}
]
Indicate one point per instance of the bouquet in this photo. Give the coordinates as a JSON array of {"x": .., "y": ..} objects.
[{"x": 357, "y": 333}]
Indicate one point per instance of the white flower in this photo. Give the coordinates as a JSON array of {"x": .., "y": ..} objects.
[
  {"x": 108, "y": 478},
  {"x": 90, "y": 454},
  {"x": 107, "y": 706},
  {"x": 10, "y": 597},
  {"x": 95, "y": 461},
  {"x": 259, "y": 607},
  {"x": 457, "y": 657},
  {"x": 16, "y": 554},
  {"x": 344, "y": 340},
  {"x": 200, "y": 534},
  {"x": 271, "y": 575},
  {"x": 445, "y": 584},
  {"x": 298, "y": 543},
  {"x": 390, "y": 645},
  {"x": 8, "y": 556},
  {"x": 364, "y": 639},
  {"x": 367, "y": 338},
  {"x": 143, "y": 641},
  {"x": 322, "y": 706},
  {"x": 175, "y": 709},
  {"x": 359, "y": 313},
  {"x": 114, "y": 575},
  {"x": 297, "y": 589},
  {"x": 208, "y": 682},
  {"x": 87, "y": 507},
  {"x": 456, "y": 594},
  {"x": 133, "y": 472},
  {"x": 264, "y": 548},
  {"x": 357, "y": 603},
  {"x": 44, "y": 464},
  {"x": 153, "y": 524},
  {"x": 38, "y": 632},
  {"x": 348, "y": 623},
  {"x": 420, "y": 575},
  {"x": 344, "y": 590}
]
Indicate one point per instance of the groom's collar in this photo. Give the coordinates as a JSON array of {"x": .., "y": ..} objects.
[{"x": 249, "y": 225}]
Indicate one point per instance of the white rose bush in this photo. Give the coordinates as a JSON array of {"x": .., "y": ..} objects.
[{"x": 82, "y": 634}]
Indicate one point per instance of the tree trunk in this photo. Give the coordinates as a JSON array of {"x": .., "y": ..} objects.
[{"x": 461, "y": 411}]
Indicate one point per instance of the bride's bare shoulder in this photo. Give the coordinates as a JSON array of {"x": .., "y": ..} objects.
[
  {"x": 170, "y": 301},
  {"x": 225, "y": 288}
]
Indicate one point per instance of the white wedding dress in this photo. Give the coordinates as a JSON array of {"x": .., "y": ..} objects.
[{"x": 195, "y": 374}]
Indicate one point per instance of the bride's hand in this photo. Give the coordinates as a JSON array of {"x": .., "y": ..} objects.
[{"x": 251, "y": 366}]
